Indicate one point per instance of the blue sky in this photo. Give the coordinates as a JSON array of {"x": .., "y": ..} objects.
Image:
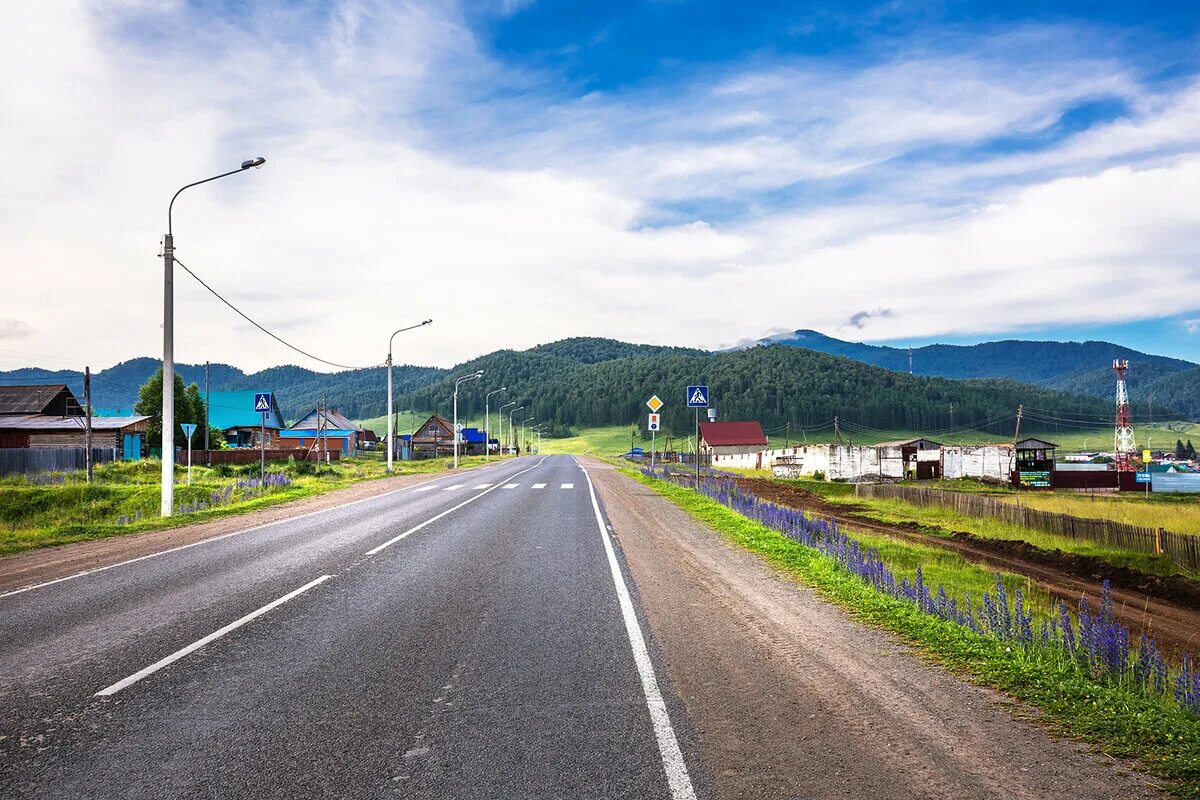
[{"x": 677, "y": 172}]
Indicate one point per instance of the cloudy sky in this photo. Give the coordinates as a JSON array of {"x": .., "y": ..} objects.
[{"x": 690, "y": 173}]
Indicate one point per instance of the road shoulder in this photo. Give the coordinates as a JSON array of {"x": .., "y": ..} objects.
[{"x": 791, "y": 697}]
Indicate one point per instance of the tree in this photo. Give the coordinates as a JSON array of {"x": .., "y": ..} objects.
[
  {"x": 1180, "y": 450},
  {"x": 188, "y": 408}
]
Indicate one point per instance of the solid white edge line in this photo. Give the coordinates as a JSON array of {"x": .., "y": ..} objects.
[
  {"x": 125, "y": 683},
  {"x": 223, "y": 536},
  {"x": 434, "y": 519},
  {"x": 678, "y": 780}
]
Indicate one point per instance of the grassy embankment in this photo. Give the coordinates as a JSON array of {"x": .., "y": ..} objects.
[
  {"x": 1164, "y": 736},
  {"x": 125, "y": 497},
  {"x": 937, "y": 521}
]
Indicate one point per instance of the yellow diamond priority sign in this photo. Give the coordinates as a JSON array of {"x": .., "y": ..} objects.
[{"x": 654, "y": 403}]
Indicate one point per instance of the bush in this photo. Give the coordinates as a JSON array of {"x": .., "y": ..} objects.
[{"x": 818, "y": 475}]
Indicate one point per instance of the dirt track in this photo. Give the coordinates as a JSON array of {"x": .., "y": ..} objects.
[
  {"x": 790, "y": 698},
  {"x": 1168, "y": 611}
]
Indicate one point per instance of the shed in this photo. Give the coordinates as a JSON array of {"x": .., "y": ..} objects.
[
  {"x": 731, "y": 438},
  {"x": 234, "y": 414},
  {"x": 1035, "y": 464},
  {"x": 50, "y": 399}
]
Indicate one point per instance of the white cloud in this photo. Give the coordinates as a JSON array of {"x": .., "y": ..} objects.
[{"x": 399, "y": 187}]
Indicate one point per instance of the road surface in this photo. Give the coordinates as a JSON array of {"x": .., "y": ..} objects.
[{"x": 505, "y": 633}]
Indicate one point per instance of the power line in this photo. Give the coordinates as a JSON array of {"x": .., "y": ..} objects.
[{"x": 277, "y": 338}]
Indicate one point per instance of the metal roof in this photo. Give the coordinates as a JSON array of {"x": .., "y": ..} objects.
[
  {"x": 44, "y": 422},
  {"x": 904, "y": 442},
  {"x": 236, "y": 410},
  {"x": 729, "y": 434},
  {"x": 333, "y": 419},
  {"x": 29, "y": 399}
]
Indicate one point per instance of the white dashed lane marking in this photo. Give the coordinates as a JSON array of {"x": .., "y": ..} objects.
[
  {"x": 511, "y": 485},
  {"x": 568, "y": 486},
  {"x": 426, "y": 489},
  {"x": 482, "y": 486},
  {"x": 539, "y": 486},
  {"x": 455, "y": 486}
]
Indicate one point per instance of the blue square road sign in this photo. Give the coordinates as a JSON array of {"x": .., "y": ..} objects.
[
  {"x": 262, "y": 402},
  {"x": 697, "y": 397}
]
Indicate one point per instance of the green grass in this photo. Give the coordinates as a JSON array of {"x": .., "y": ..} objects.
[
  {"x": 1165, "y": 738},
  {"x": 600, "y": 440},
  {"x": 33, "y": 515}
]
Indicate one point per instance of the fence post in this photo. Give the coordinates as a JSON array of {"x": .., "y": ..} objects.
[{"x": 1158, "y": 536}]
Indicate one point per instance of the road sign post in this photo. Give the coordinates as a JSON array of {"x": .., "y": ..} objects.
[
  {"x": 262, "y": 404},
  {"x": 654, "y": 404},
  {"x": 697, "y": 398},
  {"x": 188, "y": 430}
]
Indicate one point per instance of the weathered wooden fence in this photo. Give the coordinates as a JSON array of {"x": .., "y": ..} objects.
[
  {"x": 32, "y": 460},
  {"x": 1182, "y": 548}
]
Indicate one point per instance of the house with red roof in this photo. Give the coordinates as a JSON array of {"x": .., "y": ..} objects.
[{"x": 719, "y": 439}]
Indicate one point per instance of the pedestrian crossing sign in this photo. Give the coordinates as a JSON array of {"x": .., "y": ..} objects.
[
  {"x": 262, "y": 402},
  {"x": 697, "y": 397}
]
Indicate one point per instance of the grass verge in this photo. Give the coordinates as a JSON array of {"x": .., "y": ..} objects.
[
  {"x": 125, "y": 497},
  {"x": 1164, "y": 738}
]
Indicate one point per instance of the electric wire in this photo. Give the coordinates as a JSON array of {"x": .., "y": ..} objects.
[{"x": 277, "y": 338}]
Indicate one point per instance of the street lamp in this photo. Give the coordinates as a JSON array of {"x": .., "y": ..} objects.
[
  {"x": 538, "y": 430},
  {"x": 500, "y": 422},
  {"x": 511, "y": 429},
  {"x": 390, "y": 444},
  {"x": 168, "y": 409},
  {"x": 473, "y": 376},
  {"x": 487, "y": 424},
  {"x": 525, "y": 428}
]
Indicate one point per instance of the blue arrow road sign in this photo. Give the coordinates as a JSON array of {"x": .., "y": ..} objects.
[
  {"x": 697, "y": 397},
  {"x": 188, "y": 429},
  {"x": 262, "y": 401}
]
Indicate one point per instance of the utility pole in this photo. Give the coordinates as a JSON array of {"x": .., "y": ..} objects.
[
  {"x": 952, "y": 415},
  {"x": 87, "y": 436},
  {"x": 1017, "y": 435},
  {"x": 837, "y": 432},
  {"x": 787, "y": 440}
]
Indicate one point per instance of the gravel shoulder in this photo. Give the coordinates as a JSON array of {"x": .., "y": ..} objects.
[
  {"x": 790, "y": 697},
  {"x": 50, "y": 563}
]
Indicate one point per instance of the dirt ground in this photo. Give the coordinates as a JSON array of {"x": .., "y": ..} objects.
[
  {"x": 790, "y": 698},
  {"x": 50, "y": 563},
  {"x": 1167, "y": 609}
]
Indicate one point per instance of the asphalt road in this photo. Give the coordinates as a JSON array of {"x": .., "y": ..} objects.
[{"x": 469, "y": 637}]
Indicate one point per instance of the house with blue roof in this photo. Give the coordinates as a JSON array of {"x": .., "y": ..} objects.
[
  {"x": 234, "y": 414},
  {"x": 324, "y": 428}
]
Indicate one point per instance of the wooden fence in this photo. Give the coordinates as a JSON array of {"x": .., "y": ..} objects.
[
  {"x": 1182, "y": 548},
  {"x": 32, "y": 460}
]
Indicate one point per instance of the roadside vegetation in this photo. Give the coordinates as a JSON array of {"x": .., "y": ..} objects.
[
  {"x": 1080, "y": 669},
  {"x": 58, "y": 508}
]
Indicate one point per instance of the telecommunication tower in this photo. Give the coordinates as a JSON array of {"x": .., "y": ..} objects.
[{"x": 1123, "y": 443}]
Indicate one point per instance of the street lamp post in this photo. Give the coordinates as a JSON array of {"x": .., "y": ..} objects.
[
  {"x": 487, "y": 424},
  {"x": 391, "y": 445},
  {"x": 525, "y": 429},
  {"x": 463, "y": 379},
  {"x": 500, "y": 422},
  {"x": 168, "y": 409},
  {"x": 511, "y": 429}
]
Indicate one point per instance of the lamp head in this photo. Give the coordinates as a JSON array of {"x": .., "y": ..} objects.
[{"x": 254, "y": 162}]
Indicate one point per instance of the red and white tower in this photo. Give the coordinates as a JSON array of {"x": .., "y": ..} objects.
[{"x": 1123, "y": 443}]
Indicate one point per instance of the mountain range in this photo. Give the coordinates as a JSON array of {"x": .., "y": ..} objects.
[
  {"x": 804, "y": 378},
  {"x": 1075, "y": 367}
]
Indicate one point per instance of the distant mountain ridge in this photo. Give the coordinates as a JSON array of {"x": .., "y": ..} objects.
[{"x": 1077, "y": 367}]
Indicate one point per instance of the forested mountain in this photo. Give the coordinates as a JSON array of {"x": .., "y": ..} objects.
[
  {"x": 1076, "y": 366},
  {"x": 356, "y": 393},
  {"x": 772, "y": 384}
]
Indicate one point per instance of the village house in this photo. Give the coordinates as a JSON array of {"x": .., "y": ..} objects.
[
  {"x": 51, "y": 417},
  {"x": 434, "y": 438},
  {"x": 724, "y": 442},
  {"x": 233, "y": 413},
  {"x": 329, "y": 425}
]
